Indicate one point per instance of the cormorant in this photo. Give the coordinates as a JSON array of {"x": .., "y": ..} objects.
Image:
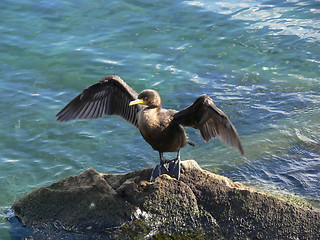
[{"x": 161, "y": 128}]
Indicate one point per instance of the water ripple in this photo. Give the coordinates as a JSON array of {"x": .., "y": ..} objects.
[{"x": 268, "y": 15}]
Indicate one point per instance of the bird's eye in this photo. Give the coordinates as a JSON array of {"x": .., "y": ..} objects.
[{"x": 145, "y": 98}]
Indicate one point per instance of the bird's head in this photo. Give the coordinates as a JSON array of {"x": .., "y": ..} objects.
[{"x": 148, "y": 97}]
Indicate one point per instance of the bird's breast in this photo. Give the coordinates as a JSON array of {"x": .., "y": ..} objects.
[
  {"x": 149, "y": 124},
  {"x": 159, "y": 131}
]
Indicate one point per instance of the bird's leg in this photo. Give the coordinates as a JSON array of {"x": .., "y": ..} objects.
[
  {"x": 161, "y": 158},
  {"x": 178, "y": 155},
  {"x": 174, "y": 166},
  {"x": 162, "y": 168}
]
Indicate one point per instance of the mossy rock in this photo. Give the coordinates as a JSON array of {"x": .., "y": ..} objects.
[{"x": 201, "y": 205}]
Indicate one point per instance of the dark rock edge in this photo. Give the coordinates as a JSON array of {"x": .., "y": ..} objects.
[{"x": 201, "y": 205}]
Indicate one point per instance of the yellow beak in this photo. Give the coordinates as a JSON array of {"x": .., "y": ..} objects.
[{"x": 138, "y": 101}]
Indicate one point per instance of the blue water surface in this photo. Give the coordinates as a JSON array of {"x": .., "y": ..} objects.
[{"x": 258, "y": 60}]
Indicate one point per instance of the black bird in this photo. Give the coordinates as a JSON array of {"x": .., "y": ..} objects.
[{"x": 161, "y": 128}]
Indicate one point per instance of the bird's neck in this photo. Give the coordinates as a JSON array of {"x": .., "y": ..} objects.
[
  {"x": 152, "y": 113},
  {"x": 156, "y": 108}
]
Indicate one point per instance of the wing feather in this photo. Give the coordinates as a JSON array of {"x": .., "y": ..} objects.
[
  {"x": 204, "y": 115},
  {"x": 110, "y": 96}
]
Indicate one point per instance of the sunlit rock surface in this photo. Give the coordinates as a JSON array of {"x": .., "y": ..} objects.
[{"x": 201, "y": 205}]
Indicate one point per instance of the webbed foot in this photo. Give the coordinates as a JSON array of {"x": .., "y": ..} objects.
[{"x": 170, "y": 167}]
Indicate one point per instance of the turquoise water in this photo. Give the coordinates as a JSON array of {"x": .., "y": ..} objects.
[{"x": 258, "y": 60}]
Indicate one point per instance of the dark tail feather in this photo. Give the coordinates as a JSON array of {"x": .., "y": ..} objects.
[{"x": 191, "y": 143}]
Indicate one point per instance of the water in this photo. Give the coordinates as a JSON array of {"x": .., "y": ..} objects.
[{"x": 258, "y": 60}]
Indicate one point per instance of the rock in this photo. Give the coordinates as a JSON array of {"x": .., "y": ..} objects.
[{"x": 201, "y": 205}]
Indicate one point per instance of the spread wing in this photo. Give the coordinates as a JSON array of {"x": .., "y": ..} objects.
[
  {"x": 110, "y": 96},
  {"x": 204, "y": 115}
]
